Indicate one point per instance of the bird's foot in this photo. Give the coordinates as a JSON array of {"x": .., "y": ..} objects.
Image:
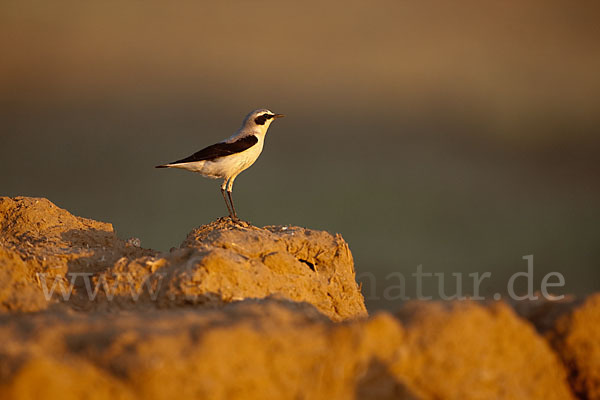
[
  {"x": 234, "y": 220},
  {"x": 239, "y": 222}
]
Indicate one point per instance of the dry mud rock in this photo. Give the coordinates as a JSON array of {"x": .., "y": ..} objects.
[
  {"x": 41, "y": 243},
  {"x": 217, "y": 264},
  {"x": 463, "y": 350},
  {"x": 257, "y": 349},
  {"x": 576, "y": 337},
  {"x": 239, "y": 312},
  {"x": 223, "y": 262},
  {"x": 247, "y": 350},
  {"x": 572, "y": 326}
]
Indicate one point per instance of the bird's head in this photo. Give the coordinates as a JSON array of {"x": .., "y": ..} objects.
[{"x": 260, "y": 120}]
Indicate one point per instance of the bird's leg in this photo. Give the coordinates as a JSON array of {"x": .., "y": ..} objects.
[
  {"x": 225, "y": 198},
  {"x": 229, "y": 190},
  {"x": 226, "y": 203},
  {"x": 235, "y": 217}
]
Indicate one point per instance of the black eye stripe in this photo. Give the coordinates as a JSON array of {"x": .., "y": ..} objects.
[{"x": 261, "y": 119}]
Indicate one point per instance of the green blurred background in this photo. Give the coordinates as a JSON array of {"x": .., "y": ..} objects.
[{"x": 457, "y": 135}]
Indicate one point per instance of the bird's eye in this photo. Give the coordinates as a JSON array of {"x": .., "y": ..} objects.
[{"x": 260, "y": 120}]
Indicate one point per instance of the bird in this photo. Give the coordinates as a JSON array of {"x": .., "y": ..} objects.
[{"x": 228, "y": 158}]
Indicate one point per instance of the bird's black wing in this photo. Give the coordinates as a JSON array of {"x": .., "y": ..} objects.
[{"x": 219, "y": 150}]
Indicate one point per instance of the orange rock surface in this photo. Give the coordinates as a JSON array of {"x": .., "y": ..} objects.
[{"x": 240, "y": 312}]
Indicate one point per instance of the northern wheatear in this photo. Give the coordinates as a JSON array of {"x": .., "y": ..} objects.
[{"x": 227, "y": 159}]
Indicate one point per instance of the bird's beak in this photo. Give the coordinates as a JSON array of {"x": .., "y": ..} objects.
[{"x": 278, "y": 116}]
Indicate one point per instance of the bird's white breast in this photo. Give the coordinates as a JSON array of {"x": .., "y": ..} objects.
[{"x": 228, "y": 166}]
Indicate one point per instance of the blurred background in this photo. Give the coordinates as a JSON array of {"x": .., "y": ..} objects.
[{"x": 459, "y": 136}]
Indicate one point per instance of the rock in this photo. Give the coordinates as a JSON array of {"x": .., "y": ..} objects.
[
  {"x": 296, "y": 263},
  {"x": 92, "y": 269},
  {"x": 53, "y": 246},
  {"x": 572, "y": 327},
  {"x": 256, "y": 349},
  {"x": 17, "y": 293},
  {"x": 576, "y": 338},
  {"x": 463, "y": 350},
  {"x": 245, "y": 350},
  {"x": 244, "y": 312}
]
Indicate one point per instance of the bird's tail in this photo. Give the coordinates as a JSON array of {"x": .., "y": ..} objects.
[{"x": 163, "y": 166}]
